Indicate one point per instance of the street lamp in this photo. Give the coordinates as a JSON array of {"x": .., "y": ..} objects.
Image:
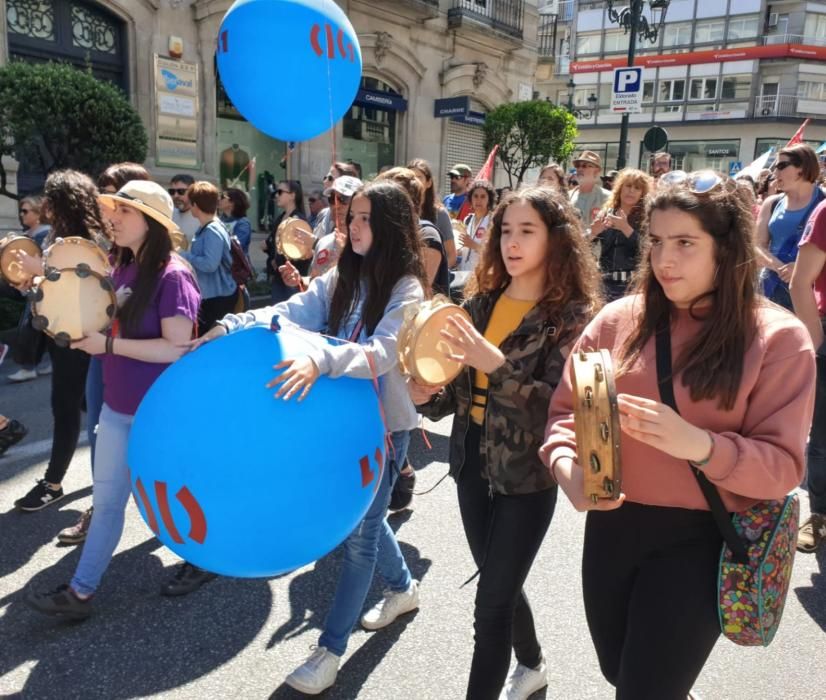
[
  {"x": 631, "y": 19},
  {"x": 581, "y": 113}
]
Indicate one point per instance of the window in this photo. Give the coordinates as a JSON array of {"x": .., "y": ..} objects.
[
  {"x": 672, "y": 90},
  {"x": 710, "y": 31},
  {"x": 815, "y": 27},
  {"x": 587, "y": 43},
  {"x": 811, "y": 90},
  {"x": 648, "y": 91},
  {"x": 615, "y": 41},
  {"x": 736, "y": 87},
  {"x": 703, "y": 89},
  {"x": 582, "y": 93},
  {"x": 677, "y": 34},
  {"x": 745, "y": 27}
]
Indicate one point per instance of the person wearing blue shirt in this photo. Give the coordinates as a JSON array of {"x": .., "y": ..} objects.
[
  {"x": 233, "y": 206},
  {"x": 460, "y": 176}
]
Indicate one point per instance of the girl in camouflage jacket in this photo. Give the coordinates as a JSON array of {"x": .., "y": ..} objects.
[{"x": 533, "y": 291}]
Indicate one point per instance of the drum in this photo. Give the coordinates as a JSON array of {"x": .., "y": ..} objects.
[
  {"x": 295, "y": 239},
  {"x": 79, "y": 253},
  {"x": 179, "y": 240},
  {"x": 70, "y": 304},
  {"x": 597, "y": 423},
  {"x": 11, "y": 270},
  {"x": 421, "y": 346}
]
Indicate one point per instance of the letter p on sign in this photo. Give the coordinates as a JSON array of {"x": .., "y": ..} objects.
[
  {"x": 627, "y": 93},
  {"x": 627, "y": 80}
]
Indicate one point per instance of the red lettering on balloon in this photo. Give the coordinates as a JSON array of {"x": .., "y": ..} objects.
[
  {"x": 197, "y": 521},
  {"x": 314, "y": 32},
  {"x": 147, "y": 507},
  {"x": 166, "y": 515},
  {"x": 331, "y": 49},
  {"x": 341, "y": 43},
  {"x": 366, "y": 472}
]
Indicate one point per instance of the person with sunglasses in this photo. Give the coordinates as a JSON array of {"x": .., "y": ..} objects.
[
  {"x": 182, "y": 215},
  {"x": 326, "y": 223},
  {"x": 460, "y": 176},
  {"x": 743, "y": 376},
  {"x": 783, "y": 217},
  {"x": 316, "y": 204},
  {"x": 289, "y": 197}
]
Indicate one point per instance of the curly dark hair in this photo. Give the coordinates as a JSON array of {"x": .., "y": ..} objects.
[
  {"x": 72, "y": 199},
  {"x": 119, "y": 174},
  {"x": 240, "y": 202},
  {"x": 484, "y": 185}
]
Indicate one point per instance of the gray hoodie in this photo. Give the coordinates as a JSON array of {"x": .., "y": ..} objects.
[{"x": 310, "y": 311}]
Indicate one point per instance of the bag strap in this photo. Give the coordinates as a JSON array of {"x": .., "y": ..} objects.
[{"x": 665, "y": 383}]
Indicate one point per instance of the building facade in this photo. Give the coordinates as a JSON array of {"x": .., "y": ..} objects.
[
  {"x": 725, "y": 79},
  {"x": 477, "y": 53}
]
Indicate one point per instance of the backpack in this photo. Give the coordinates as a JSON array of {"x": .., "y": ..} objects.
[{"x": 240, "y": 267}]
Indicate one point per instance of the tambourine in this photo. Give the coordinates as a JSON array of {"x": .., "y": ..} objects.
[
  {"x": 294, "y": 239},
  {"x": 10, "y": 269},
  {"x": 421, "y": 346},
  {"x": 597, "y": 423},
  {"x": 68, "y": 305},
  {"x": 458, "y": 227},
  {"x": 79, "y": 253},
  {"x": 179, "y": 240}
]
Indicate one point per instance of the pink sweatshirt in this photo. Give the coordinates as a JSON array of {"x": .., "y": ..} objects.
[{"x": 759, "y": 445}]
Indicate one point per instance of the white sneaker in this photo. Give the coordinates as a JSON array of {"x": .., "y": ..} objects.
[
  {"x": 390, "y": 607},
  {"x": 316, "y": 674},
  {"x": 43, "y": 370},
  {"x": 23, "y": 375},
  {"x": 524, "y": 681}
]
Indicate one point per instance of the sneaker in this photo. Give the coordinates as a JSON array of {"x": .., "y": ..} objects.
[
  {"x": 524, "y": 682},
  {"x": 39, "y": 497},
  {"x": 61, "y": 602},
  {"x": 402, "y": 493},
  {"x": 812, "y": 533},
  {"x": 44, "y": 370},
  {"x": 4, "y": 349},
  {"x": 316, "y": 674},
  {"x": 390, "y": 607},
  {"x": 12, "y": 433},
  {"x": 77, "y": 532},
  {"x": 187, "y": 578},
  {"x": 23, "y": 375}
]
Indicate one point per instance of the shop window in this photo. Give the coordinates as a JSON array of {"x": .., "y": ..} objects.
[
  {"x": 370, "y": 132},
  {"x": 703, "y": 89}
]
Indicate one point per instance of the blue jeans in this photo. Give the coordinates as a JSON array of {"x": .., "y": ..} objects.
[
  {"x": 371, "y": 545},
  {"x": 112, "y": 486},
  {"x": 816, "y": 453},
  {"x": 94, "y": 401}
]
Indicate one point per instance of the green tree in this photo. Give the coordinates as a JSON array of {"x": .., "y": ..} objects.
[
  {"x": 529, "y": 134},
  {"x": 57, "y": 116}
]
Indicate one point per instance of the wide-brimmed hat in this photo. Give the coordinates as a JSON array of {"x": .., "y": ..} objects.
[
  {"x": 590, "y": 158},
  {"x": 460, "y": 170},
  {"x": 145, "y": 196},
  {"x": 345, "y": 185}
]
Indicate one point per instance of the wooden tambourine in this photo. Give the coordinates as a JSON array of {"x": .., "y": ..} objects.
[
  {"x": 294, "y": 239},
  {"x": 68, "y": 305},
  {"x": 76, "y": 252},
  {"x": 421, "y": 346},
  {"x": 597, "y": 423},
  {"x": 11, "y": 270}
]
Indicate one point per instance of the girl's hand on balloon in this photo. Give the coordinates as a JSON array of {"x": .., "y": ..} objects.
[
  {"x": 298, "y": 375},
  {"x": 212, "y": 334},
  {"x": 660, "y": 426},
  {"x": 569, "y": 476},
  {"x": 419, "y": 393},
  {"x": 470, "y": 347}
]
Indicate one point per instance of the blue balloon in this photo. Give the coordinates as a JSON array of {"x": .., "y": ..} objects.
[
  {"x": 291, "y": 67},
  {"x": 243, "y": 484}
]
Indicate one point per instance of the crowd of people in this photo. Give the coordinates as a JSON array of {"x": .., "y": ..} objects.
[{"x": 545, "y": 271}]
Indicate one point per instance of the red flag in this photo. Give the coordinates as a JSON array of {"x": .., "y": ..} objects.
[
  {"x": 798, "y": 135},
  {"x": 485, "y": 173}
]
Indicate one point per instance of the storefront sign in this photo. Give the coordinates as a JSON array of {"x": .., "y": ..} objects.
[
  {"x": 380, "y": 100},
  {"x": 451, "y": 107},
  {"x": 471, "y": 119},
  {"x": 176, "y": 112},
  {"x": 813, "y": 53}
]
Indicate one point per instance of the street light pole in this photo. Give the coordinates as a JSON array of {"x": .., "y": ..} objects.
[{"x": 635, "y": 11}]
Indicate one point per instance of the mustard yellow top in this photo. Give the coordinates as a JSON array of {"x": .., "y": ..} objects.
[{"x": 505, "y": 319}]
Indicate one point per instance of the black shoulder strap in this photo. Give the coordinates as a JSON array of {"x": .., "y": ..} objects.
[{"x": 665, "y": 382}]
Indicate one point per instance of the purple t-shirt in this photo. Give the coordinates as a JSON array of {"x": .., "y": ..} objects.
[{"x": 125, "y": 381}]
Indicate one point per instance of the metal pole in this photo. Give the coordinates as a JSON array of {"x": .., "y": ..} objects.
[{"x": 635, "y": 10}]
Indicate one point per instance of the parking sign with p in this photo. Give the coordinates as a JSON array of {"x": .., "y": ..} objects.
[{"x": 626, "y": 96}]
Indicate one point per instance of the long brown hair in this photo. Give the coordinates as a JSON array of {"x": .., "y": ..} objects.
[
  {"x": 72, "y": 201},
  {"x": 634, "y": 178},
  {"x": 571, "y": 270},
  {"x": 430, "y": 205},
  {"x": 395, "y": 253},
  {"x": 712, "y": 362}
]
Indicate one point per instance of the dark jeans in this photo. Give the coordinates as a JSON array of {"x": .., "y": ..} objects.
[
  {"x": 649, "y": 582},
  {"x": 29, "y": 344},
  {"x": 215, "y": 309},
  {"x": 504, "y": 534},
  {"x": 68, "y": 382},
  {"x": 816, "y": 454}
]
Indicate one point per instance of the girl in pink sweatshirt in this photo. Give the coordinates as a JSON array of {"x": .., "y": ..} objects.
[{"x": 743, "y": 375}]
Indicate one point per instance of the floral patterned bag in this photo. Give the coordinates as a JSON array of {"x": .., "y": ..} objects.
[{"x": 759, "y": 545}]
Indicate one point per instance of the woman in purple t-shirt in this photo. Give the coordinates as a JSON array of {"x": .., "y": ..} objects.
[{"x": 158, "y": 301}]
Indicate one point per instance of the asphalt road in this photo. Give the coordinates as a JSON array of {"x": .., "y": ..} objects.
[{"x": 240, "y": 638}]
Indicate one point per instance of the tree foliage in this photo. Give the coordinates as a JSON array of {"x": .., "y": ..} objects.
[
  {"x": 529, "y": 134},
  {"x": 57, "y": 116}
]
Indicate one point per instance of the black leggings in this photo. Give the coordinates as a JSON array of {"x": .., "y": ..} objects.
[
  {"x": 649, "y": 581},
  {"x": 504, "y": 534},
  {"x": 68, "y": 386},
  {"x": 215, "y": 309}
]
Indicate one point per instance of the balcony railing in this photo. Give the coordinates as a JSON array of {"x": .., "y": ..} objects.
[
  {"x": 794, "y": 39},
  {"x": 546, "y": 36},
  {"x": 768, "y": 106},
  {"x": 505, "y": 16}
]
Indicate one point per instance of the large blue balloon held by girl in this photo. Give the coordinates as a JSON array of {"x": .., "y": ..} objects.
[
  {"x": 243, "y": 484},
  {"x": 291, "y": 67}
]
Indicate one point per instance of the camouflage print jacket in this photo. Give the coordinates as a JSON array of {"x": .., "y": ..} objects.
[{"x": 519, "y": 393}]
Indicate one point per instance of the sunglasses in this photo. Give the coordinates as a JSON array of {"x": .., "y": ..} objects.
[
  {"x": 782, "y": 164},
  {"x": 177, "y": 190},
  {"x": 25, "y": 211},
  {"x": 312, "y": 200},
  {"x": 340, "y": 198},
  {"x": 456, "y": 177},
  {"x": 699, "y": 182},
  {"x": 328, "y": 177},
  {"x": 282, "y": 192}
]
